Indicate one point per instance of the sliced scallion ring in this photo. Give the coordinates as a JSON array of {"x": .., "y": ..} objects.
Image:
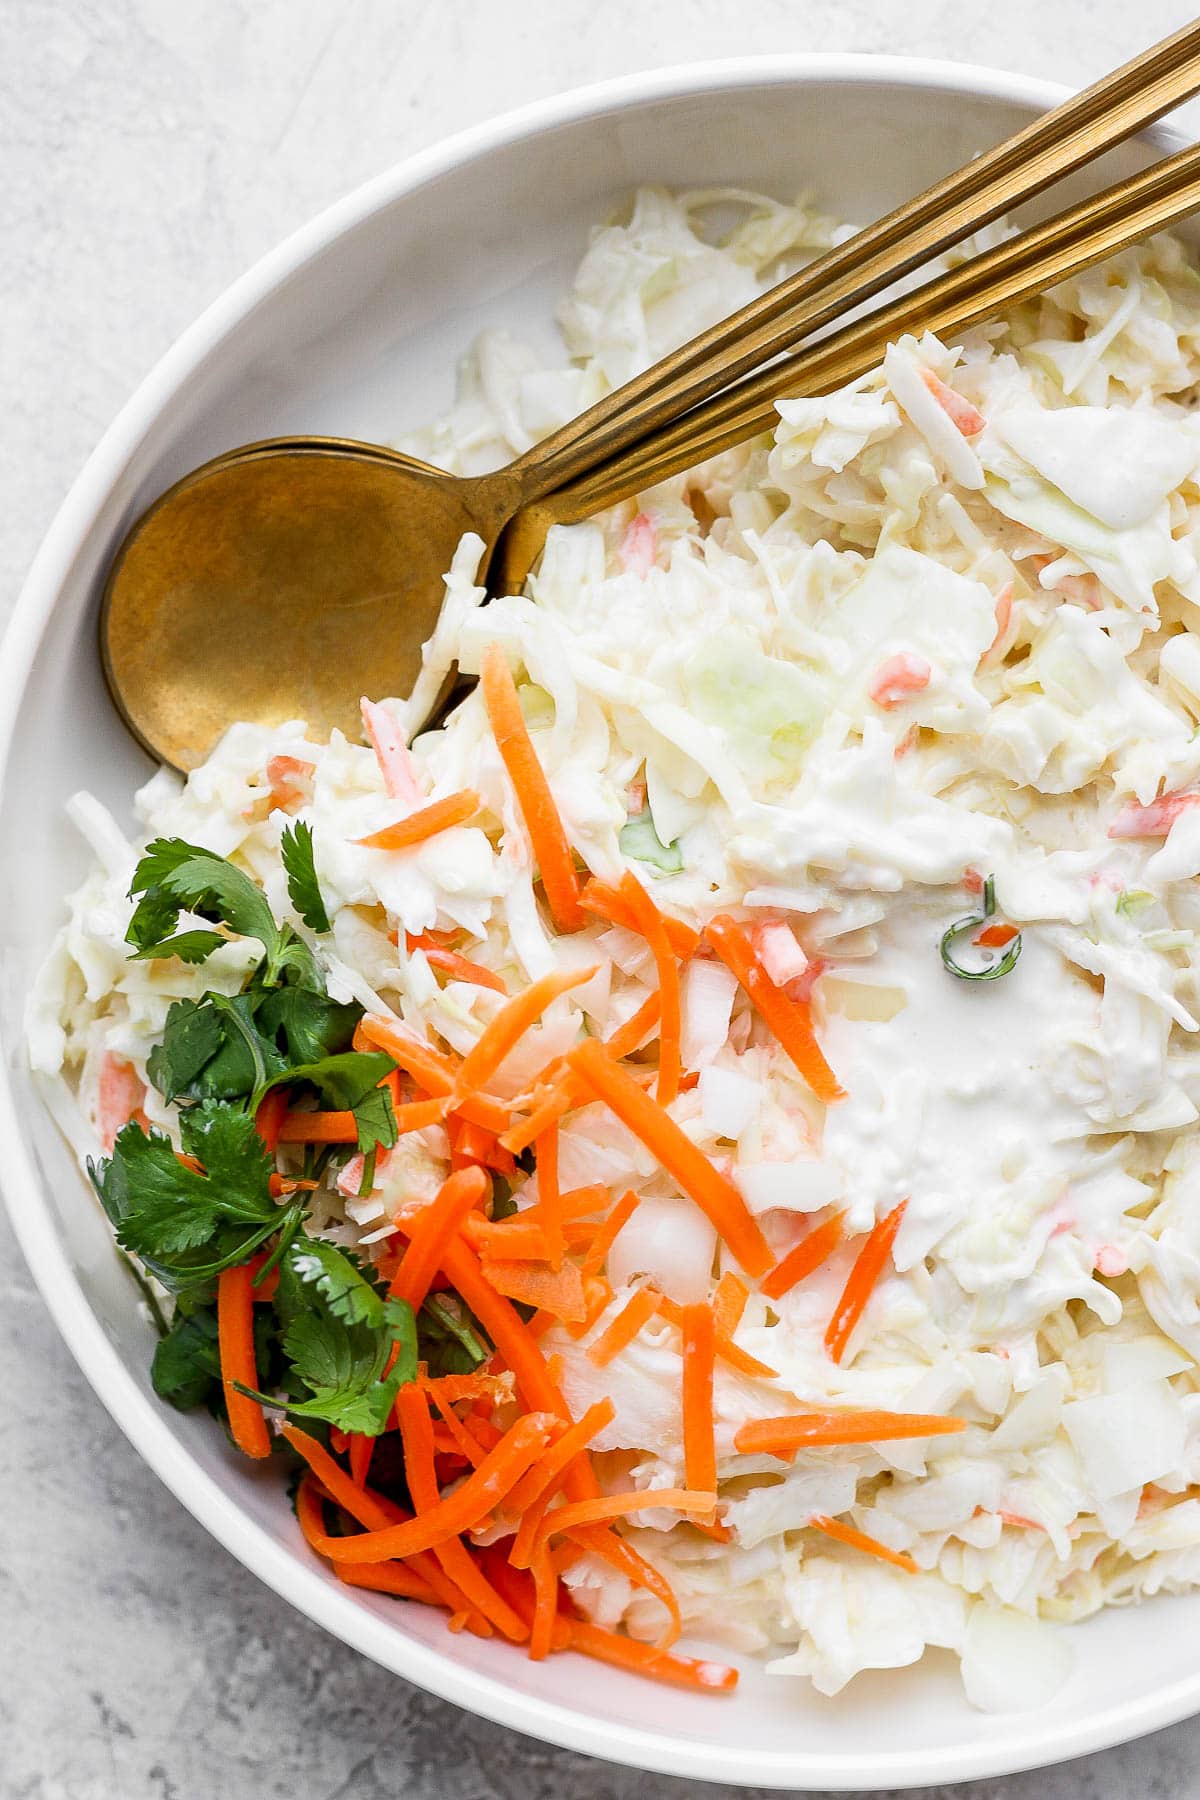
[{"x": 992, "y": 971}]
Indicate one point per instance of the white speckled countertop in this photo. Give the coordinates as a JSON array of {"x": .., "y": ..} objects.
[{"x": 150, "y": 149}]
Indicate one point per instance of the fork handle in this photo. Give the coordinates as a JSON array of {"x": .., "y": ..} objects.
[
  {"x": 1072, "y": 134},
  {"x": 1096, "y": 228}
]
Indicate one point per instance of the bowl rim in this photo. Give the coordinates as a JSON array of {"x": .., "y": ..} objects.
[{"x": 1029, "y": 1745}]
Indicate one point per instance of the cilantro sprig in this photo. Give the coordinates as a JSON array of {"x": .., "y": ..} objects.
[
  {"x": 296, "y": 849},
  {"x": 174, "y": 876}
]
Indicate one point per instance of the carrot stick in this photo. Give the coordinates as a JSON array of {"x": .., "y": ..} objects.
[
  {"x": 466, "y": 1446},
  {"x": 448, "y": 1390},
  {"x": 557, "y": 1291},
  {"x": 518, "y": 1239},
  {"x": 637, "y": 1028},
  {"x": 637, "y": 1311},
  {"x": 801, "y": 1431},
  {"x": 545, "y": 1581},
  {"x": 648, "y": 1659},
  {"x": 859, "y": 1540},
  {"x": 460, "y": 968},
  {"x": 789, "y": 1020},
  {"x": 455, "y": 809},
  {"x": 699, "y": 1449},
  {"x": 861, "y": 1282},
  {"x": 653, "y": 928},
  {"x": 432, "y": 1227},
  {"x": 480, "y": 1493},
  {"x": 302, "y": 1127},
  {"x": 549, "y": 1194},
  {"x": 416, "y": 1430},
  {"x": 517, "y": 1586},
  {"x": 360, "y": 1457},
  {"x": 607, "y": 903},
  {"x": 512, "y": 1022},
  {"x": 620, "y": 1554},
  {"x": 814, "y": 1249},
  {"x": 270, "y": 1116},
  {"x": 544, "y": 1478},
  {"x": 430, "y": 1069},
  {"x": 607, "y": 1507},
  {"x": 536, "y": 802},
  {"x": 604, "y": 1239},
  {"x": 567, "y": 1092},
  {"x": 729, "y": 1303},
  {"x": 386, "y": 1578},
  {"x": 713, "y": 1193},
  {"x": 235, "y": 1342},
  {"x": 726, "y": 1349}
]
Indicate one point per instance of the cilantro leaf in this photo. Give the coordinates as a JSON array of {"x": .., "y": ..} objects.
[
  {"x": 339, "y": 1332},
  {"x": 187, "y": 1362},
  {"x": 296, "y": 849},
  {"x": 174, "y": 876},
  {"x": 449, "y": 1338},
  {"x": 188, "y": 946},
  {"x": 186, "y": 1225},
  {"x": 213, "y": 1049},
  {"x": 345, "y": 1080},
  {"x": 311, "y": 1025},
  {"x": 376, "y": 1121}
]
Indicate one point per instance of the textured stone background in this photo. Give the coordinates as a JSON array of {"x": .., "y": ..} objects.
[{"x": 149, "y": 150}]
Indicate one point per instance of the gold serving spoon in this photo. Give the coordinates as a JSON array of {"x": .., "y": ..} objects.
[{"x": 286, "y": 579}]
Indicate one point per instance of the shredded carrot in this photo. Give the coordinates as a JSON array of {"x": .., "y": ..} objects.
[
  {"x": 653, "y": 928},
  {"x": 432, "y": 1227},
  {"x": 557, "y": 1291},
  {"x": 455, "y": 809},
  {"x": 604, "y": 1239},
  {"x": 512, "y": 1022},
  {"x": 479, "y": 1385},
  {"x": 517, "y": 1586},
  {"x": 302, "y": 1127},
  {"x": 464, "y": 1443},
  {"x": 619, "y": 1553},
  {"x": 235, "y": 1341},
  {"x": 416, "y": 1431},
  {"x": 542, "y": 821},
  {"x": 712, "y": 1528},
  {"x": 270, "y": 1116},
  {"x": 464, "y": 1509},
  {"x": 120, "y": 1097},
  {"x": 699, "y": 1351},
  {"x": 788, "y": 1019},
  {"x": 458, "y": 968},
  {"x": 549, "y": 1194},
  {"x": 812, "y": 1250},
  {"x": 859, "y": 1540},
  {"x": 637, "y": 1028},
  {"x": 545, "y": 1478},
  {"x": 713, "y": 1192},
  {"x": 994, "y": 937},
  {"x": 861, "y": 1282},
  {"x": 648, "y": 1659},
  {"x": 472, "y": 1143},
  {"x": 801, "y": 1431},
  {"x": 729, "y": 1302},
  {"x": 607, "y": 903},
  {"x": 360, "y": 1457},
  {"x": 392, "y": 753},
  {"x": 607, "y": 1507},
  {"x": 726, "y": 1349},
  {"x": 598, "y": 1293},
  {"x": 567, "y": 1092},
  {"x": 518, "y": 1239},
  {"x": 430, "y": 1069},
  {"x": 372, "y": 1511},
  {"x": 637, "y": 1311},
  {"x": 545, "y": 1581},
  {"x": 387, "y": 1578}
]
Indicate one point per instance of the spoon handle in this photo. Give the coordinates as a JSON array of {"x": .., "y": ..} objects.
[
  {"x": 1153, "y": 200},
  {"x": 1075, "y": 133}
]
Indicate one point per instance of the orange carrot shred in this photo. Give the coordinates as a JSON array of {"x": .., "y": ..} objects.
[
  {"x": 788, "y": 1019},
  {"x": 235, "y": 1341},
  {"x": 557, "y": 1291},
  {"x": 567, "y": 1092},
  {"x": 713, "y": 1192},
  {"x": 812, "y": 1250},
  {"x": 545, "y": 1581},
  {"x": 440, "y": 815},
  {"x": 861, "y": 1282},
  {"x": 607, "y": 903},
  {"x": 608, "y": 1233},
  {"x": 512, "y": 1022},
  {"x": 729, "y": 1303},
  {"x": 619, "y": 1553},
  {"x": 653, "y": 929},
  {"x": 607, "y": 1507},
  {"x": 859, "y": 1540},
  {"x": 994, "y": 937},
  {"x": 432, "y": 1227},
  {"x": 270, "y": 1116},
  {"x": 545, "y": 1478},
  {"x": 389, "y": 1578},
  {"x": 536, "y": 802},
  {"x": 430, "y": 1069},
  {"x": 637, "y": 1311},
  {"x": 549, "y": 1195},
  {"x": 648, "y": 1659},
  {"x": 458, "y": 968},
  {"x": 699, "y": 1450},
  {"x": 302, "y": 1127},
  {"x": 416, "y": 1431},
  {"x": 726, "y": 1349},
  {"x": 801, "y": 1431}
]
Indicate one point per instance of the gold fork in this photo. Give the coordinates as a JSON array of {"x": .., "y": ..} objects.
[{"x": 285, "y": 579}]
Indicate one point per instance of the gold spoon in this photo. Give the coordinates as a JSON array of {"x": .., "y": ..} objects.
[{"x": 286, "y": 579}]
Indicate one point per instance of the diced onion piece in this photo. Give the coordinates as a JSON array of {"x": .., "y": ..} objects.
[
  {"x": 1126, "y": 1439},
  {"x": 804, "y": 1185},
  {"x": 1010, "y": 1662},
  {"x": 861, "y": 1000}
]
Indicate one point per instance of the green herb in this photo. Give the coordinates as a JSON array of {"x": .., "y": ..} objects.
[
  {"x": 992, "y": 972},
  {"x": 174, "y": 876},
  {"x": 451, "y": 1343},
  {"x": 187, "y": 1226},
  {"x": 187, "y": 1362},
  {"x": 339, "y": 1331},
  {"x": 308, "y": 1026},
  {"x": 1133, "y": 901},
  {"x": 639, "y": 840},
  {"x": 296, "y": 849}
]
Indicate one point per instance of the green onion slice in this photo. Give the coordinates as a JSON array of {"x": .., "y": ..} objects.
[{"x": 991, "y": 971}]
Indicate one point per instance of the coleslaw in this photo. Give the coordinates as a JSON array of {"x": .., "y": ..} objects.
[{"x": 862, "y": 1050}]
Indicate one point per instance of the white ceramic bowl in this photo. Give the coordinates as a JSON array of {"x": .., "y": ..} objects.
[{"x": 352, "y": 327}]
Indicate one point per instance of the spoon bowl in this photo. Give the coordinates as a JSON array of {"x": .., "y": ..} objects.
[{"x": 282, "y": 581}]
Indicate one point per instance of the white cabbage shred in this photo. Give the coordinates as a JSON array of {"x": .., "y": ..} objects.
[{"x": 938, "y": 626}]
